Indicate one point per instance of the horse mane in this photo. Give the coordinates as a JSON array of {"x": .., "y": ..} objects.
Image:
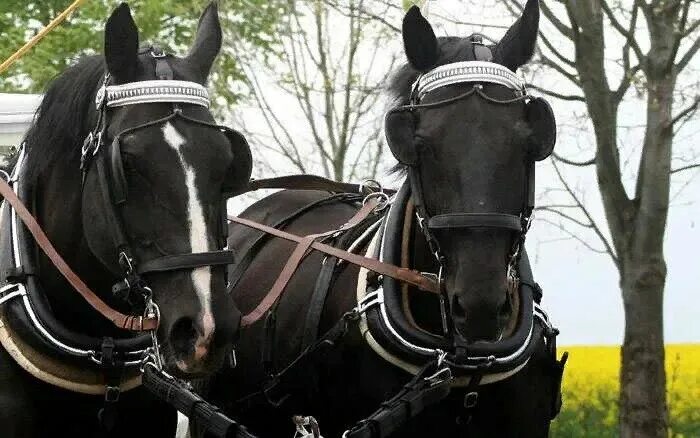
[{"x": 64, "y": 117}]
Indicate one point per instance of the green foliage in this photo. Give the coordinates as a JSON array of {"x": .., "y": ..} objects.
[
  {"x": 169, "y": 23},
  {"x": 408, "y": 3}
]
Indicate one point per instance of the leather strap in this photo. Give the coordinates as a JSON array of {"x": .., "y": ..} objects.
[
  {"x": 186, "y": 261},
  {"x": 127, "y": 322},
  {"x": 300, "y": 252},
  {"x": 402, "y": 274},
  {"x": 308, "y": 182},
  {"x": 475, "y": 220},
  {"x": 418, "y": 394}
]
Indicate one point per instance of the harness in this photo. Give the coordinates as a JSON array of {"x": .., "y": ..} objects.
[{"x": 435, "y": 361}]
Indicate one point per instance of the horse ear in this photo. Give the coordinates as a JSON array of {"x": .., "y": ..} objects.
[
  {"x": 541, "y": 119},
  {"x": 419, "y": 41},
  {"x": 121, "y": 45},
  {"x": 399, "y": 128},
  {"x": 207, "y": 42},
  {"x": 518, "y": 45}
]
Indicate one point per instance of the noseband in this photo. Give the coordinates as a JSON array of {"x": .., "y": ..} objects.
[{"x": 111, "y": 176}]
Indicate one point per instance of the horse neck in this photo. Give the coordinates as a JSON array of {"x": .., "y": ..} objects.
[{"x": 58, "y": 197}]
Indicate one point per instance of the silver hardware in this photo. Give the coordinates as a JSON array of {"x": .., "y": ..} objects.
[
  {"x": 155, "y": 91},
  {"x": 368, "y": 301},
  {"x": 467, "y": 71},
  {"x": 123, "y": 258},
  {"x": 306, "y": 427},
  {"x": 442, "y": 375},
  {"x": 382, "y": 199},
  {"x": 371, "y": 185},
  {"x": 5, "y": 296}
]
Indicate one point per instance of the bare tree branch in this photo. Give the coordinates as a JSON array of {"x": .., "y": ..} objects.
[
  {"x": 556, "y": 95},
  {"x": 692, "y": 51},
  {"x": 596, "y": 229},
  {"x": 687, "y": 112},
  {"x": 574, "y": 236},
  {"x": 565, "y": 216},
  {"x": 684, "y": 168},
  {"x": 558, "y": 157},
  {"x": 625, "y": 32}
]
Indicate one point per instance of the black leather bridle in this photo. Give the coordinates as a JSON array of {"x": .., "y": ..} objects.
[
  {"x": 516, "y": 224},
  {"x": 113, "y": 188}
]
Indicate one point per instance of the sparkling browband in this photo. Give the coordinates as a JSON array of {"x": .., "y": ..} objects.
[
  {"x": 158, "y": 91},
  {"x": 467, "y": 71}
]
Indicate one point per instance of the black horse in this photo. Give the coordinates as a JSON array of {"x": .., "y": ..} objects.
[
  {"x": 145, "y": 214},
  {"x": 466, "y": 147}
]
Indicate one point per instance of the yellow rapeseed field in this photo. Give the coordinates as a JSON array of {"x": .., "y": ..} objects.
[{"x": 591, "y": 385}]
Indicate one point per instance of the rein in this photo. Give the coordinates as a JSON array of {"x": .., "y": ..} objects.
[
  {"x": 128, "y": 322},
  {"x": 310, "y": 242}
]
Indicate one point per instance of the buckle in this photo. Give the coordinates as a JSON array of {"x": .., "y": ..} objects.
[
  {"x": 440, "y": 376},
  {"x": 470, "y": 399},
  {"x": 112, "y": 394}
]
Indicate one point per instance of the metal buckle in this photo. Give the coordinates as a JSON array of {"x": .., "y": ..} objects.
[
  {"x": 302, "y": 423},
  {"x": 112, "y": 394},
  {"x": 371, "y": 185},
  {"x": 440, "y": 376},
  {"x": 157, "y": 52},
  {"x": 470, "y": 399},
  {"x": 382, "y": 198},
  {"x": 126, "y": 263}
]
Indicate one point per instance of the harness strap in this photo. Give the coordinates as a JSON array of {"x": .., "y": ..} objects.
[
  {"x": 300, "y": 252},
  {"x": 127, "y": 322},
  {"x": 308, "y": 182},
  {"x": 418, "y": 394},
  {"x": 247, "y": 258},
  {"x": 475, "y": 220},
  {"x": 186, "y": 261},
  {"x": 410, "y": 276}
]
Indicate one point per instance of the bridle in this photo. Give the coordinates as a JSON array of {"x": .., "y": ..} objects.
[
  {"x": 476, "y": 73},
  {"x": 111, "y": 178}
]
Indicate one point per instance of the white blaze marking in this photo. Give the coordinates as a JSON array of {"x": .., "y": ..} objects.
[{"x": 201, "y": 277}]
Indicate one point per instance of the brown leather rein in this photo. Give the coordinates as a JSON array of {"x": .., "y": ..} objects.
[
  {"x": 135, "y": 323},
  {"x": 306, "y": 243}
]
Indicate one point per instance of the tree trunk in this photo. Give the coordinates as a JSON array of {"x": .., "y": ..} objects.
[{"x": 643, "y": 410}]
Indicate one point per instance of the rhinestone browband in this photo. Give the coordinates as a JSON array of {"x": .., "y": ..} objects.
[
  {"x": 156, "y": 91},
  {"x": 467, "y": 71}
]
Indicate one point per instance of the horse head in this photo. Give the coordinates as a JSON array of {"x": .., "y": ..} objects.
[
  {"x": 469, "y": 146},
  {"x": 154, "y": 175}
]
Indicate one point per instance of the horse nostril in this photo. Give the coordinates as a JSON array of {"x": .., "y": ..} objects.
[{"x": 182, "y": 337}]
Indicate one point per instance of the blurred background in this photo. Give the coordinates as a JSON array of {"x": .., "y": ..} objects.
[{"x": 615, "y": 239}]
